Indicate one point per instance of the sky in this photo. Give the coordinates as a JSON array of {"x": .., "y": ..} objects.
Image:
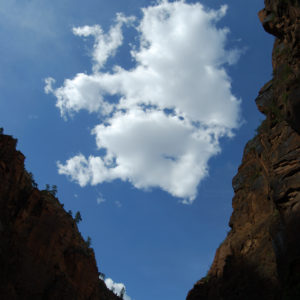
[{"x": 139, "y": 112}]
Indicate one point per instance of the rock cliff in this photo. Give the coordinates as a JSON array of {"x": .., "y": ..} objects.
[
  {"x": 42, "y": 254},
  {"x": 260, "y": 257}
]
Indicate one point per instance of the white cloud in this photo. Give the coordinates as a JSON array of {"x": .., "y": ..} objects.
[
  {"x": 49, "y": 85},
  {"x": 33, "y": 117},
  {"x": 171, "y": 108},
  {"x": 118, "y": 204},
  {"x": 100, "y": 199},
  {"x": 105, "y": 44},
  {"x": 116, "y": 288}
]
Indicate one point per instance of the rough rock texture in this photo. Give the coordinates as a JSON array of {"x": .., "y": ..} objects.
[
  {"x": 42, "y": 254},
  {"x": 260, "y": 258}
]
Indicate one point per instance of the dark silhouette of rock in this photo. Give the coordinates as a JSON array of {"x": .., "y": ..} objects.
[
  {"x": 260, "y": 258},
  {"x": 42, "y": 254}
]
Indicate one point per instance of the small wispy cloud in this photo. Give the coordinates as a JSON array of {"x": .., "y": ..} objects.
[
  {"x": 118, "y": 288},
  {"x": 49, "y": 85},
  {"x": 100, "y": 198},
  {"x": 170, "y": 110},
  {"x": 33, "y": 117},
  {"x": 118, "y": 204}
]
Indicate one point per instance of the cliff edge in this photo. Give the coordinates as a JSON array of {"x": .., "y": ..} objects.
[
  {"x": 260, "y": 257},
  {"x": 42, "y": 254}
]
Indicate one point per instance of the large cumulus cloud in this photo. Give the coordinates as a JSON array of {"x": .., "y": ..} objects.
[{"x": 170, "y": 109}]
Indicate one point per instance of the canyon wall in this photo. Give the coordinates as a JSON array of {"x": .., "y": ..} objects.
[
  {"x": 43, "y": 256},
  {"x": 260, "y": 257},
  {"x": 42, "y": 253}
]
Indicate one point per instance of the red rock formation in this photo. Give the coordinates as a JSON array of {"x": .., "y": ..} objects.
[
  {"x": 42, "y": 254},
  {"x": 260, "y": 258}
]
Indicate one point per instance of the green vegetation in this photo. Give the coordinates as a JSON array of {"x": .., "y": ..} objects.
[
  {"x": 1, "y": 130},
  {"x": 276, "y": 214},
  {"x": 88, "y": 242},
  {"x": 122, "y": 293},
  {"x": 285, "y": 97},
  {"x": 34, "y": 184},
  {"x": 77, "y": 217},
  {"x": 102, "y": 276},
  {"x": 52, "y": 190},
  {"x": 270, "y": 17},
  {"x": 206, "y": 278}
]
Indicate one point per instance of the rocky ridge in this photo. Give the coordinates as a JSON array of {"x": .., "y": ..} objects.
[
  {"x": 42, "y": 254},
  {"x": 260, "y": 257}
]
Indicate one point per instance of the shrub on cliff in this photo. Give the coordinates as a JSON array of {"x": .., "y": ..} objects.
[
  {"x": 34, "y": 184},
  {"x": 88, "y": 242},
  {"x": 53, "y": 190},
  {"x": 77, "y": 218}
]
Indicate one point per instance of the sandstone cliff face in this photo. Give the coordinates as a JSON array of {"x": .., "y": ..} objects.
[
  {"x": 42, "y": 254},
  {"x": 260, "y": 258}
]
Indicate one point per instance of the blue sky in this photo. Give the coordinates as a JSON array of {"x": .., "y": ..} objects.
[{"x": 169, "y": 123}]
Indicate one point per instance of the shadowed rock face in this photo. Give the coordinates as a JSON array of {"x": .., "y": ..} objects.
[
  {"x": 42, "y": 254},
  {"x": 260, "y": 258}
]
